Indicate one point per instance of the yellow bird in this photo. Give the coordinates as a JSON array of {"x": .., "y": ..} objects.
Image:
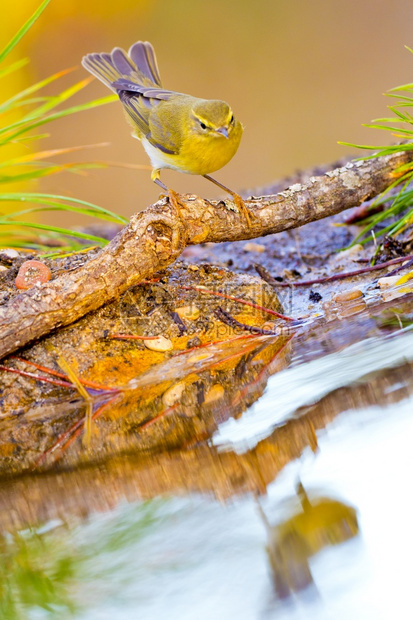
[{"x": 178, "y": 131}]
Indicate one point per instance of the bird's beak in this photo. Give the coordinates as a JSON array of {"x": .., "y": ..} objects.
[{"x": 223, "y": 131}]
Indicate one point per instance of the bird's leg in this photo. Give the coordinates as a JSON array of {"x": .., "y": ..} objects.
[
  {"x": 172, "y": 195},
  {"x": 156, "y": 178},
  {"x": 240, "y": 204}
]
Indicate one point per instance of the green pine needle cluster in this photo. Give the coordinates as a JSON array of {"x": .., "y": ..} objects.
[{"x": 396, "y": 202}]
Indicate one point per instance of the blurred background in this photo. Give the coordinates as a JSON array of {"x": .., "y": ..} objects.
[{"x": 299, "y": 75}]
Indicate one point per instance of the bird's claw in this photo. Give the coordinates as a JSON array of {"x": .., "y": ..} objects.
[
  {"x": 175, "y": 202},
  {"x": 242, "y": 208}
]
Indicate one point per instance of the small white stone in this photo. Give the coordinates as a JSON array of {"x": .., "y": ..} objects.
[
  {"x": 9, "y": 253},
  {"x": 388, "y": 282},
  {"x": 173, "y": 394},
  {"x": 191, "y": 313},
  {"x": 395, "y": 286},
  {"x": 254, "y": 247},
  {"x": 160, "y": 344}
]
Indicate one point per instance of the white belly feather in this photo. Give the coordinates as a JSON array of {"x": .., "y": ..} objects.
[{"x": 159, "y": 159}]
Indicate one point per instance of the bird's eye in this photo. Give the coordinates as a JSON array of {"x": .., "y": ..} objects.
[
  {"x": 203, "y": 126},
  {"x": 232, "y": 119}
]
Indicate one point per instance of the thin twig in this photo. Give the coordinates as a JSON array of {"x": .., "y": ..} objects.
[
  {"x": 55, "y": 373},
  {"x": 130, "y": 337},
  {"x": 265, "y": 275},
  {"x": 266, "y": 369},
  {"x": 239, "y": 353},
  {"x": 41, "y": 378},
  {"x": 178, "y": 322},
  {"x": 157, "y": 417},
  {"x": 393, "y": 273},
  {"x": 226, "y": 318},
  {"x": 211, "y": 344},
  {"x": 67, "y": 438},
  {"x": 238, "y": 300}
]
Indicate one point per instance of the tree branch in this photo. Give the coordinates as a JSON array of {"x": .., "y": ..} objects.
[{"x": 155, "y": 238}]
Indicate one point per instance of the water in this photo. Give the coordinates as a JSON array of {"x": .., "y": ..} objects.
[
  {"x": 203, "y": 559},
  {"x": 190, "y": 542},
  {"x": 304, "y": 384}
]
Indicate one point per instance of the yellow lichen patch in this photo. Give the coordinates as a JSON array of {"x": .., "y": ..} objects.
[
  {"x": 117, "y": 370},
  {"x": 216, "y": 392},
  {"x": 181, "y": 343},
  {"x": 140, "y": 400},
  {"x": 223, "y": 331},
  {"x": 227, "y": 363},
  {"x": 7, "y": 449},
  {"x": 251, "y": 316}
]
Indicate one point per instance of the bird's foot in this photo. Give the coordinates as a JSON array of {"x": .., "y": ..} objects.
[
  {"x": 174, "y": 199},
  {"x": 242, "y": 208}
]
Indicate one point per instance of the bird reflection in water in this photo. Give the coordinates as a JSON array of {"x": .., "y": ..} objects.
[{"x": 320, "y": 522}]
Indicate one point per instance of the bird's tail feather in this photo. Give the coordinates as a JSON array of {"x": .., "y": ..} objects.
[{"x": 139, "y": 66}]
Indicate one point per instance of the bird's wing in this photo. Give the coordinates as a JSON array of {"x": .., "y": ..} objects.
[
  {"x": 135, "y": 78},
  {"x": 123, "y": 84},
  {"x": 139, "y": 108}
]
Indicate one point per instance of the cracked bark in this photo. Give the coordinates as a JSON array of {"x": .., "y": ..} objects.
[{"x": 155, "y": 238}]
